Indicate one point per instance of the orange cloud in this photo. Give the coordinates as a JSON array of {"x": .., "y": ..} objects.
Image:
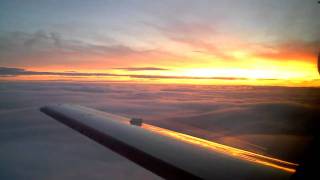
[{"x": 291, "y": 50}]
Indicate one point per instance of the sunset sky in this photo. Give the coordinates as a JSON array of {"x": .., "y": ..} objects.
[
  {"x": 240, "y": 73},
  {"x": 202, "y": 42}
]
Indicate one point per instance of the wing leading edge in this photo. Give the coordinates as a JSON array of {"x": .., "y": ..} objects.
[{"x": 169, "y": 154}]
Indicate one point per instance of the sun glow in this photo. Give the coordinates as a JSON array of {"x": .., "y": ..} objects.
[{"x": 258, "y": 69}]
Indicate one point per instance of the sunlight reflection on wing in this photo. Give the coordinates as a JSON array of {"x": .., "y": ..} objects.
[{"x": 227, "y": 150}]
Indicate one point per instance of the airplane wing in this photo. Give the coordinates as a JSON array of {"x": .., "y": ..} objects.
[{"x": 169, "y": 154}]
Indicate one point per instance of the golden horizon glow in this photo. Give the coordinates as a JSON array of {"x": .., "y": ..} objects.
[
  {"x": 247, "y": 69},
  {"x": 293, "y": 73}
]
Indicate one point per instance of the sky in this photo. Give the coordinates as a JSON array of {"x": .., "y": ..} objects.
[{"x": 205, "y": 42}]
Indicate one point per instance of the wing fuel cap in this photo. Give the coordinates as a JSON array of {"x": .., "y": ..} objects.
[{"x": 136, "y": 121}]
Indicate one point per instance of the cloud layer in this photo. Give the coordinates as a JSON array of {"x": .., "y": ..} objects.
[{"x": 241, "y": 116}]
